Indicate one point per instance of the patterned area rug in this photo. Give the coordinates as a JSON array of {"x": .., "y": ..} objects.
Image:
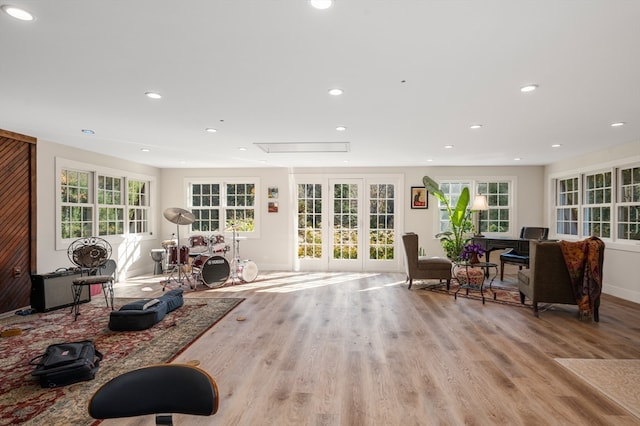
[
  {"x": 23, "y": 400},
  {"x": 499, "y": 293},
  {"x": 618, "y": 379}
]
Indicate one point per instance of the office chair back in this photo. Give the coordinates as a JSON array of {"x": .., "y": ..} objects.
[{"x": 165, "y": 388}]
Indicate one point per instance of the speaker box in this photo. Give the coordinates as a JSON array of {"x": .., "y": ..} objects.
[{"x": 53, "y": 290}]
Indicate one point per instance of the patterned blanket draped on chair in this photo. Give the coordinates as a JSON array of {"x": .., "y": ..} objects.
[{"x": 584, "y": 263}]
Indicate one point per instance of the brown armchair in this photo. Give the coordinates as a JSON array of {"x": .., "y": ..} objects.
[
  {"x": 514, "y": 257},
  {"x": 424, "y": 267},
  {"x": 547, "y": 280}
]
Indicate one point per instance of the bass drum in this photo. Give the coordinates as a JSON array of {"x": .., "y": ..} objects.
[
  {"x": 215, "y": 271},
  {"x": 247, "y": 271}
]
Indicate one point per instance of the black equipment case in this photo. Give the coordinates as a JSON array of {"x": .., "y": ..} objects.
[
  {"x": 53, "y": 290},
  {"x": 66, "y": 363}
]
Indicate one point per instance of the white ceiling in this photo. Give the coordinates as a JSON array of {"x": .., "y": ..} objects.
[{"x": 415, "y": 74}]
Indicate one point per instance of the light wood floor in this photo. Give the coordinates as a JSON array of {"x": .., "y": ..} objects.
[{"x": 362, "y": 349}]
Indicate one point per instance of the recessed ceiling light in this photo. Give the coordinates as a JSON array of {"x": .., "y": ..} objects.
[
  {"x": 145, "y": 149},
  {"x": 17, "y": 13},
  {"x": 618, "y": 124},
  {"x": 528, "y": 88},
  {"x": 242, "y": 148},
  {"x": 88, "y": 132},
  {"x": 341, "y": 128},
  {"x": 335, "y": 92},
  {"x": 321, "y": 4},
  {"x": 475, "y": 126},
  {"x": 210, "y": 130},
  {"x": 153, "y": 95},
  {"x": 517, "y": 159},
  {"x": 448, "y": 146},
  {"x": 429, "y": 160},
  {"x": 556, "y": 145}
]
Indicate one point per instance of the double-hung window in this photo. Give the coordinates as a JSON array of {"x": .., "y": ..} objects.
[
  {"x": 596, "y": 209},
  {"x": 219, "y": 206},
  {"x": 629, "y": 203},
  {"x": 567, "y": 202},
  {"x": 499, "y": 200},
  {"x": 110, "y": 205}
]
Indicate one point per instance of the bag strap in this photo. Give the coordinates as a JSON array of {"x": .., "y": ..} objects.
[{"x": 32, "y": 361}]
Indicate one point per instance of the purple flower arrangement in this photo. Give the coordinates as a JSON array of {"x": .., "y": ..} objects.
[{"x": 470, "y": 249}]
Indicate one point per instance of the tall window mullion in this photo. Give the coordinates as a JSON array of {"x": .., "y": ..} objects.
[
  {"x": 381, "y": 221},
  {"x": 309, "y": 221}
]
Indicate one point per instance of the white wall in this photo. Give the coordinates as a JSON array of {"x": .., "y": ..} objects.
[{"x": 621, "y": 260}]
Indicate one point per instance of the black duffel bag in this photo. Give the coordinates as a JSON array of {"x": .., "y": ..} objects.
[{"x": 66, "y": 363}]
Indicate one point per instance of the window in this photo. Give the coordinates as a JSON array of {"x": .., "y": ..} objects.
[
  {"x": 629, "y": 204},
  {"x": 310, "y": 220},
  {"x": 76, "y": 212},
  {"x": 597, "y": 205},
  {"x": 499, "y": 199},
  {"x": 452, "y": 191},
  {"x": 110, "y": 205},
  {"x": 567, "y": 200},
  {"x": 381, "y": 221},
  {"x": 497, "y": 218},
  {"x": 233, "y": 202},
  {"x": 605, "y": 203},
  {"x": 138, "y": 192},
  {"x": 96, "y": 202}
]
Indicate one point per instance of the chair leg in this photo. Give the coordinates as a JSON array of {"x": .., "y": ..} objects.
[
  {"x": 501, "y": 271},
  {"x": 535, "y": 310},
  {"x": 522, "y": 298},
  {"x": 410, "y": 282},
  {"x": 448, "y": 284}
]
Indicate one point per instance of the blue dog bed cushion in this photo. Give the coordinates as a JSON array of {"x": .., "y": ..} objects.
[{"x": 144, "y": 313}]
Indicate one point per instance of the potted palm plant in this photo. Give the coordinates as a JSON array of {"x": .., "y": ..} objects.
[{"x": 460, "y": 224}]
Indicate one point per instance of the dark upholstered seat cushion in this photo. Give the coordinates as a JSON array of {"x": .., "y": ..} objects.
[
  {"x": 133, "y": 316},
  {"x": 513, "y": 257},
  {"x": 434, "y": 263}
]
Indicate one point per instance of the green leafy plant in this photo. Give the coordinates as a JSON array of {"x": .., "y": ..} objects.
[{"x": 460, "y": 223}]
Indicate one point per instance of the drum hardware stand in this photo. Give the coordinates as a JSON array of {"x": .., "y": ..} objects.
[
  {"x": 235, "y": 256},
  {"x": 179, "y": 217}
]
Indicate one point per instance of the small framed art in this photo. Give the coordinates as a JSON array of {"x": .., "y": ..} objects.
[{"x": 419, "y": 198}]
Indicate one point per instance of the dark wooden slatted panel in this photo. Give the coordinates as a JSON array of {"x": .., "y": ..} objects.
[{"x": 16, "y": 221}]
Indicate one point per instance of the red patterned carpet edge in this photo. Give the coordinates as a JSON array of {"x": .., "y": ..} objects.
[
  {"x": 503, "y": 294},
  {"x": 23, "y": 400}
]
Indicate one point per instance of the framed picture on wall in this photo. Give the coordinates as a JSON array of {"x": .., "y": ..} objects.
[
  {"x": 272, "y": 192},
  {"x": 272, "y": 207},
  {"x": 419, "y": 198}
]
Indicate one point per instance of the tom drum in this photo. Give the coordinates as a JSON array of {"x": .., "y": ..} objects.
[
  {"x": 214, "y": 270},
  {"x": 198, "y": 243},
  {"x": 247, "y": 271},
  {"x": 184, "y": 255}
]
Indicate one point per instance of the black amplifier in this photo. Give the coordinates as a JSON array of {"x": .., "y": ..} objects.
[{"x": 54, "y": 290}]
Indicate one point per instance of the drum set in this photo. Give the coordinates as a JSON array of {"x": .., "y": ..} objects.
[{"x": 205, "y": 258}]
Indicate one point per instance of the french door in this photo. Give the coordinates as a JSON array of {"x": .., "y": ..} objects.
[{"x": 348, "y": 224}]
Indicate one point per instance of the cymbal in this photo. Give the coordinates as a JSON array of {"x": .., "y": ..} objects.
[
  {"x": 232, "y": 227},
  {"x": 179, "y": 216}
]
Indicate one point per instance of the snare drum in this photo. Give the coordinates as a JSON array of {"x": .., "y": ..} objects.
[
  {"x": 247, "y": 271},
  {"x": 214, "y": 270}
]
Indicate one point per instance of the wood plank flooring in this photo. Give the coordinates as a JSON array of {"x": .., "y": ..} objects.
[{"x": 362, "y": 349}]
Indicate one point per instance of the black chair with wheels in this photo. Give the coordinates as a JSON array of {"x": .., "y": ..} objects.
[
  {"x": 92, "y": 256},
  {"x": 162, "y": 390},
  {"x": 512, "y": 256}
]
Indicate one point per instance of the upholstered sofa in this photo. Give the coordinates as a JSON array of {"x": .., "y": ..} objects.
[{"x": 547, "y": 279}]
